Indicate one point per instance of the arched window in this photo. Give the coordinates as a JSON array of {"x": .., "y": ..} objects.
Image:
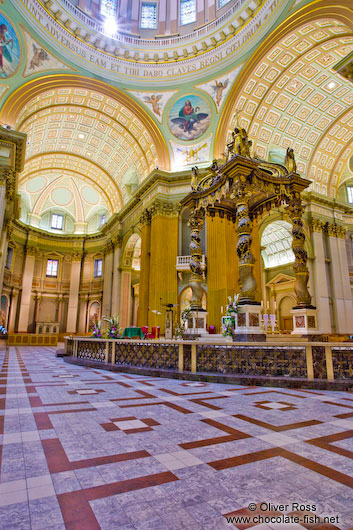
[
  {"x": 276, "y": 243},
  {"x": 108, "y": 8}
]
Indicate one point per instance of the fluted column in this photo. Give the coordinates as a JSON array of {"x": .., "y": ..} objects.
[
  {"x": 321, "y": 280},
  {"x": 59, "y": 309},
  {"x": 13, "y": 310},
  {"x": 38, "y": 299},
  {"x": 247, "y": 281},
  {"x": 27, "y": 280},
  {"x": 107, "y": 280},
  {"x": 116, "y": 277},
  {"x": 83, "y": 313},
  {"x": 295, "y": 211},
  {"x": 71, "y": 325},
  {"x": 341, "y": 288},
  {"x": 196, "y": 222},
  {"x": 145, "y": 222}
]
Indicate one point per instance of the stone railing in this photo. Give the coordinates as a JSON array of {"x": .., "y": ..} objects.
[
  {"x": 183, "y": 263},
  {"x": 159, "y": 41},
  {"x": 311, "y": 360}
]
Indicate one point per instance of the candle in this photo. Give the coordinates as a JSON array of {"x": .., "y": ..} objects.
[
  {"x": 221, "y": 309},
  {"x": 262, "y": 304},
  {"x": 268, "y": 305}
]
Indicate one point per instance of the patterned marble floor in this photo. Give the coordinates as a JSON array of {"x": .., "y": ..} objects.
[{"x": 84, "y": 449}]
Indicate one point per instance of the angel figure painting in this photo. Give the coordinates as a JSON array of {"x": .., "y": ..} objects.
[
  {"x": 154, "y": 100},
  {"x": 218, "y": 89},
  {"x": 189, "y": 117},
  {"x": 9, "y": 48}
]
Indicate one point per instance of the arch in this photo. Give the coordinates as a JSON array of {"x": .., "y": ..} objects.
[
  {"x": 311, "y": 160},
  {"x": 132, "y": 251},
  {"x": 185, "y": 298},
  {"x": 276, "y": 243},
  {"x": 93, "y": 314},
  {"x": 29, "y": 90}
]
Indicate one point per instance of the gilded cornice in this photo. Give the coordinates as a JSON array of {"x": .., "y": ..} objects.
[
  {"x": 17, "y": 141},
  {"x": 157, "y": 176}
]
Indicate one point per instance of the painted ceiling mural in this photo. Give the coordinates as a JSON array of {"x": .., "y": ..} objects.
[
  {"x": 9, "y": 48},
  {"x": 154, "y": 101},
  {"x": 38, "y": 58}
]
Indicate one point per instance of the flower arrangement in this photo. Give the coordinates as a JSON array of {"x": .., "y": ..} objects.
[
  {"x": 97, "y": 330},
  {"x": 185, "y": 314},
  {"x": 227, "y": 329},
  {"x": 232, "y": 306},
  {"x": 179, "y": 332},
  {"x": 113, "y": 331}
]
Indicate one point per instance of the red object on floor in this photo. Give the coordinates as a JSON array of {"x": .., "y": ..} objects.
[
  {"x": 212, "y": 330},
  {"x": 145, "y": 331}
]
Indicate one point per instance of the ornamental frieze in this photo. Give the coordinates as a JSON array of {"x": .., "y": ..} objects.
[{"x": 134, "y": 58}]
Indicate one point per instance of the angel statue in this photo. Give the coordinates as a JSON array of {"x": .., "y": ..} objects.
[
  {"x": 194, "y": 178},
  {"x": 289, "y": 161},
  {"x": 230, "y": 148},
  {"x": 242, "y": 142},
  {"x": 154, "y": 101}
]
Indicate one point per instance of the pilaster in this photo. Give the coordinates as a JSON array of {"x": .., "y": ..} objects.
[
  {"x": 27, "y": 280},
  {"x": 71, "y": 326}
]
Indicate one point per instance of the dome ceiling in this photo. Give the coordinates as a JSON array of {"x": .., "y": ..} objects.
[
  {"x": 293, "y": 97},
  {"x": 78, "y": 135}
]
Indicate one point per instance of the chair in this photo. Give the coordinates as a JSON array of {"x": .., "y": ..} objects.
[
  {"x": 155, "y": 334},
  {"x": 212, "y": 330},
  {"x": 144, "y": 330}
]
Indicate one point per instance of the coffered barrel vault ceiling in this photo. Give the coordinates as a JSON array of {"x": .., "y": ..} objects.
[
  {"x": 80, "y": 140},
  {"x": 293, "y": 97}
]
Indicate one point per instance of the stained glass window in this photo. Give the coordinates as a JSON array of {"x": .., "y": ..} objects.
[
  {"x": 187, "y": 11},
  {"x": 222, "y": 3},
  {"x": 108, "y": 8},
  {"x": 148, "y": 18}
]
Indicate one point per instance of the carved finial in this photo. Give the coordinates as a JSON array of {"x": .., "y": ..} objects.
[
  {"x": 194, "y": 178},
  {"x": 289, "y": 161},
  {"x": 214, "y": 167}
]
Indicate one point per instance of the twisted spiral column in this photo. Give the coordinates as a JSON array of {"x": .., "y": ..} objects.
[
  {"x": 295, "y": 211},
  {"x": 247, "y": 281},
  {"x": 196, "y": 222}
]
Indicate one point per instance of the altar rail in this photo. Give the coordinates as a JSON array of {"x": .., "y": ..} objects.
[{"x": 310, "y": 360}]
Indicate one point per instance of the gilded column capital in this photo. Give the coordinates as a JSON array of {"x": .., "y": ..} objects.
[
  {"x": 117, "y": 241},
  {"x": 335, "y": 230},
  {"x": 31, "y": 251},
  {"x": 317, "y": 225},
  {"x": 108, "y": 247},
  {"x": 164, "y": 209},
  {"x": 76, "y": 256},
  {"x": 145, "y": 218}
]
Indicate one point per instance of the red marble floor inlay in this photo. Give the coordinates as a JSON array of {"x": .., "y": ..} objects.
[{"x": 57, "y": 460}]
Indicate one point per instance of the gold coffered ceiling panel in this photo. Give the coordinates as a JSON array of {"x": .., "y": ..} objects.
[
  {"x": 85, "y": 135},
  {"x": 294, "y": 98}
]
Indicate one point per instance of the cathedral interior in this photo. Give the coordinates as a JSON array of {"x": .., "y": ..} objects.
[{"x": 203, "y": 217}]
